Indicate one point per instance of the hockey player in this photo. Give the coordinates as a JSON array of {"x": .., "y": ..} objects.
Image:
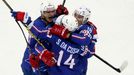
[
  {"x": 66, "y": 53},
  {"x": 87, "y": 28},
  {"x": 48, "y": 12},
  {"x": 85, "y": 33}
]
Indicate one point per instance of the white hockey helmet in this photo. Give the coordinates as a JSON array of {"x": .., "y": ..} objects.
[
  {"x": 68, "y": 21},
  {"x": 47, "y": 6},
  {"x": 83, "y": 11}
]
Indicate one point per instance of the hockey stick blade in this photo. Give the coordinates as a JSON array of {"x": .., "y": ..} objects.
[{"x": 123, "y": 66}]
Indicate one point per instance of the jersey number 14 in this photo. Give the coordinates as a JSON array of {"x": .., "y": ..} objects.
[{"x": 69, "y": 61}]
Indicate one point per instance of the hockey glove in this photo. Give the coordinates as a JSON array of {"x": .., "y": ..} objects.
[
  {"x": 21, "y": 16},
  {"x": 48, "y": 58},
  {"x": 85, "y": 51},
  {"x": 34, "y": 60},
  {"x": 61, "y": 10},
  {"x": 92, "y": 48},
  {"x": 88, "y": 50},
  {"x": 60, "y": 31}
]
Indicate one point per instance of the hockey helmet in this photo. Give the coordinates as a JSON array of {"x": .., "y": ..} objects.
[
  {"x": 47, "y": 6},
  {"x": 83, "y": 11},
  {"x": 68, "y": 21}
]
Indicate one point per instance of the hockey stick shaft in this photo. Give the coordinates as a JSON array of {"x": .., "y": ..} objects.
[
  {"x": 116, "y": 69},
  {"x": 7, "y": 5},
  {"x": 63, "y": 2}
]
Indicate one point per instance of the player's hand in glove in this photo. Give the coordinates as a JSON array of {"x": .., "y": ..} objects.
[
  {"x": 21, "y": 16},
  {"x": 92, "y": 48},
  {"x": 48, "y": 58},
  {"x": 89, "y": 51},
  {"x": 60, "y": 31},
  {"x": 34, "y": 60},
  {"x": 61, "y": 10}
]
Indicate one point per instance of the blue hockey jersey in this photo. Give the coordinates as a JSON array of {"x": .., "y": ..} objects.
[
  {"x": 86, "y": 35},
  {"x": 39, "y": 27}
]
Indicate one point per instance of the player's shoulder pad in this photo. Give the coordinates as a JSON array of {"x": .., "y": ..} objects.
[{"x": 90, "y": 23}]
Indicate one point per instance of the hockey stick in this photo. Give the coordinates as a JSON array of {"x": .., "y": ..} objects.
[{"x": 120, "y": 69}]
